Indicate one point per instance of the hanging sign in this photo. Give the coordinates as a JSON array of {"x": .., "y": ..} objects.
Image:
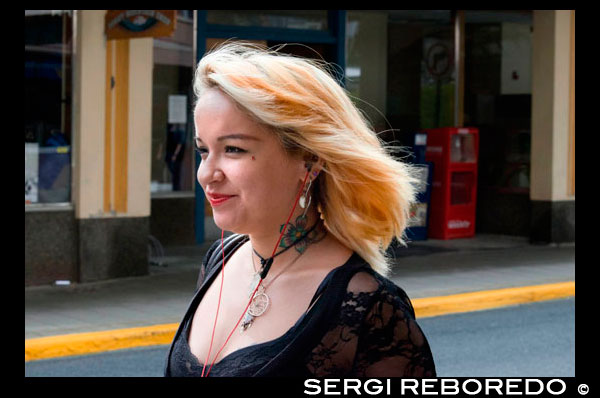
[
  {"x": 177, "y": 109},
  {"x": 131, "y": 24},
  {"x": 439, "y": 59}
]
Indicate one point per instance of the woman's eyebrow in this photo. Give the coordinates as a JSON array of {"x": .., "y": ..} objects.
[
  {"x": 238, "y": 137},
  {"x": 233, "y": 137}
]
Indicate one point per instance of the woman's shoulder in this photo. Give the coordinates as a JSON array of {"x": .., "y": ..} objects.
[
  {"x": 372, "y": 288},
  {"x": 214, "y": 254},
  {"x": 229, "y": 243}
]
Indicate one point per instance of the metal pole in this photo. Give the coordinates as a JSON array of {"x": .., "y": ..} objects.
[{"x": 459, "y": 85}]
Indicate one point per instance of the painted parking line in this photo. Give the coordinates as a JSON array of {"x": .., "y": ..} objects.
[
  {"x": 487, "y": 299},
  {"x": 95, "y": 342}
]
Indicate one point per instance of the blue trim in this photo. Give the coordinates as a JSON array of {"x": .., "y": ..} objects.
[
  {"x": 337, "y": 27},
  {"x": 267, "y": 33},
  {"x": 199, "y": 202},
  {"x": 201, "y": 28}
]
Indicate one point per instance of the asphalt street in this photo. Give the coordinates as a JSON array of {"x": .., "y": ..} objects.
[{"x": 529, "y": 340}]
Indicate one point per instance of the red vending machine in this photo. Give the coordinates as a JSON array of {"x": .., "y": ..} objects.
[{"x": 454, "y": 153}]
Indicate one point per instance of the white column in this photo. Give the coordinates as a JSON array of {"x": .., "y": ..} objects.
[
  {"x": 550, "y": 106},
  {"x": 89, "y": 64},
  {"x": 553, "y": 202},
  {"x": 140, "y": 127}
]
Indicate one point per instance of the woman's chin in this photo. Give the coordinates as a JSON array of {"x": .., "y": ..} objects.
[{"x": 226, "y": 224}]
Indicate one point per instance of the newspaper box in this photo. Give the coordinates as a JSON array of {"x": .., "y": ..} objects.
[{"x": 454, "y": 154}]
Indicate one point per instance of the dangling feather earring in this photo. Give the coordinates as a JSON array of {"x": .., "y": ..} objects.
[{"x": 302, "y": 202}]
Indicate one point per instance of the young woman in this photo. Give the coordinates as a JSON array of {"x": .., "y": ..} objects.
[{"x": 313, "y": 198}]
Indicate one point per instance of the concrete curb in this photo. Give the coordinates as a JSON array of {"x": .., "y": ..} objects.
[{"x": 95, "y": 342}]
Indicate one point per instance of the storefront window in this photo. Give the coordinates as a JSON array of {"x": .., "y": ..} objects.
[
  {"x": 498, "y": 95},
  {"x": 366, "y": 63},
  {"x": 48, "y": 49},
  {"x": 400, "y": 69},
  {"x": 421, "y": 73},
  {"x": 290, "y": 19},
  {"x": 172, "y": 101}
]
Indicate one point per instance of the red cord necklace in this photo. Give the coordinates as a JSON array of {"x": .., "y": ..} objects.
[{"x": 269, "y": 261}]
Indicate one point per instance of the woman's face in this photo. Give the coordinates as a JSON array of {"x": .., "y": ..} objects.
[{"x": 248, "y": 178}]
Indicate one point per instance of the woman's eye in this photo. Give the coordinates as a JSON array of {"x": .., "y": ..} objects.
[
  {"x": 201, "y": 150},
  {"x": 228, "y": 149},
  {"x": 234, "y": 149}
]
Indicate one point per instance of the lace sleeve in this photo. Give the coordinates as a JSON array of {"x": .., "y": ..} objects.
[
  {"x": 376, "y": 335},
  {"x": 391, "y": 343}
]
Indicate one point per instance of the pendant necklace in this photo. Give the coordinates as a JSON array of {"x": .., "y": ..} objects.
[{"x": 260, "y": 300}]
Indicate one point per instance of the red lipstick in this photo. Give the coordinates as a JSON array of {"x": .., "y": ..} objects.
[{"x": 217, "y": 199}]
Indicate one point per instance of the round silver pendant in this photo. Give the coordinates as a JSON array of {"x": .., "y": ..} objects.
[{"x": 259, "y": 305}]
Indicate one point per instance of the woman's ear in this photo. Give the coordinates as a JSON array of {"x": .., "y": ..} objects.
[{"x": 313, "y": 165}]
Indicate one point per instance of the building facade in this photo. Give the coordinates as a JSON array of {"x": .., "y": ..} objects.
[{"x": 109, "y": 161}]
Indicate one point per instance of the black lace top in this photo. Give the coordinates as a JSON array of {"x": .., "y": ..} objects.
[{"x": 362, "y": 326}]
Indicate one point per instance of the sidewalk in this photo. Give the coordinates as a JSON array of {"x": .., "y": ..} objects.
[{"x": 432, "y": 272}]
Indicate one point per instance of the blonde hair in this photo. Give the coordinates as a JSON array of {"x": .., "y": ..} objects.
[{"x": 364, "y": 195}]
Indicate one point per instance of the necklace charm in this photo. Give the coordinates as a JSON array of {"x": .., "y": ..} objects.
[
  {"x": 246, "y": 322},
  {"x": 260, "y": 300},
  {"x": 260, "y": 303},
  {"x": 258, "y": 306}
]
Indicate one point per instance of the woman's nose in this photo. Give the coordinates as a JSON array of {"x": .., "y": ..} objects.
[{"x": 209, "y": 172}]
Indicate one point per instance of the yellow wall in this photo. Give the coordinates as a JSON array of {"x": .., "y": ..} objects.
[{"x": 112, "y": 123}]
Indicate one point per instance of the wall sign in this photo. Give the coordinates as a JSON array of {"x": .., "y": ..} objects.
[
  {"x": 439, "y": 59},
  {"x": 131, "y": 24},
  {"x": 177, "y": 109}
]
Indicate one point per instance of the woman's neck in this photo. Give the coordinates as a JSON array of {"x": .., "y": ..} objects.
[{"x": 263, "y": 242}]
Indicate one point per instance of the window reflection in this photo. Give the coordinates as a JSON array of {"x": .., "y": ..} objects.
[
  {"x": 421, "y": 69},
  {"x": 290, "y": 19},
  {"x": 498, "y": 95},
  {"x": 172, "y": 98},
  {"x": 400, "y": 67},
  {"x": 48, "y": 51}
]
